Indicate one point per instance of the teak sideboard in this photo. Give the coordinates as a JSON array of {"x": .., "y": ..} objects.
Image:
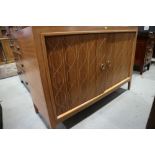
[{"x": 67, "y": 69}]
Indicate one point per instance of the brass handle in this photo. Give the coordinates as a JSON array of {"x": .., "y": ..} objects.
[
  {"x": 102, "y": 67},
  {"x": 109, "y": 64}
]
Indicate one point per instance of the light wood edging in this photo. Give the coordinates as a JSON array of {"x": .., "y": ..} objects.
[
  {"x": 133, "y": 55},
  {"x": 39, "y": 34},
  {"x": 83, "y": 32},
  {"x": 51, "y": 108},
  {"x": 4, "y": 39},
  {"x": 75, "y": 110},
  {"x": 132, "y": 60}
]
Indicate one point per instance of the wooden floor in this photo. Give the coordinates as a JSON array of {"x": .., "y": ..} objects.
[{"x": 8, "y": 70}]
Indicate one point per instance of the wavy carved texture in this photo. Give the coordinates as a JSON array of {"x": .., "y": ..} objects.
[
  {"x": 75, "y": 66},
  {"x": 119, "y": 51}
]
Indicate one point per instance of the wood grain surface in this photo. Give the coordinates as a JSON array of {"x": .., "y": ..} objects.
[
  {"x": 70, "y": 68},
  {"x": 84, "y": 66}
]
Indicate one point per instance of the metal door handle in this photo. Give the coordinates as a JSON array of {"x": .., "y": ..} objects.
[
  {"x": 102, "y": 67},
  {"x": 108, "y": 63}
]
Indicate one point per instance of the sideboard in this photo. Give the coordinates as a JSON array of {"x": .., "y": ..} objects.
[{"x": 68, "y": 68}]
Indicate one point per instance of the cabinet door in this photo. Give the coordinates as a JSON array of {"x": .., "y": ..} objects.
[
  {"x": 118, "y": 57},
  {"x": 76, "y": 69}
]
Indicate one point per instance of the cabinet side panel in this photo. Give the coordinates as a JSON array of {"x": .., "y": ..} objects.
[{"x": 32, "y": 73}]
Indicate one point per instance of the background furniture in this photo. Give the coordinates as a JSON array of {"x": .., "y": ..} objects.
[
  {"x": 14, "y": 46},
  {"x": 154, "y": 52},
  {"x": 1, "y": 118},
  {"x": 2, "y": 55},
  {"x": 66, "y": 69},
  {"x": 144, "y": 50},
  {"x": 6, "y": 55},
  {"x": 9, "y": 57},
  {"x": 151, "y": 119}
]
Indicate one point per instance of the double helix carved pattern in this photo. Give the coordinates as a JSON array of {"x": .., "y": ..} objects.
[
  {"x": 72, "y": 59},
  {"x": 75, "y": 66}
]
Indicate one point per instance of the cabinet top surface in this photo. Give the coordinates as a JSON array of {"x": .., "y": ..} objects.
[{"x": 62, "y": 30}]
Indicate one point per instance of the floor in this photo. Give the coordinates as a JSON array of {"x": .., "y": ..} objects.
[{"x": 122, "y": 109}]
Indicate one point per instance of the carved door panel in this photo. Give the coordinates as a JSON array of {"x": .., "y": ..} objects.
[
  {"x": 76, "y": 70},
  {"x": 118, "y": 57},
  {"x": 86, "y": 49}
]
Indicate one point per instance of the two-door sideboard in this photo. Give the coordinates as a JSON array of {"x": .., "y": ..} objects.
[{"x": 67, "y": 69}]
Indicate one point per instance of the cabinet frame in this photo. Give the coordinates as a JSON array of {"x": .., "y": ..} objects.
[
  {"x": 62, "y": 117},
  {"x": 36, "y": 67}
]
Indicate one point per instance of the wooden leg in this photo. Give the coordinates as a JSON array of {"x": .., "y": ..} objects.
[
  {"x": 36, "y": 109},
  {"x": 129, "y": 85}
]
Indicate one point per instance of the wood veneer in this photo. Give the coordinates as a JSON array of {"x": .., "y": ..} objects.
[{"x": 70, "y": 68}]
